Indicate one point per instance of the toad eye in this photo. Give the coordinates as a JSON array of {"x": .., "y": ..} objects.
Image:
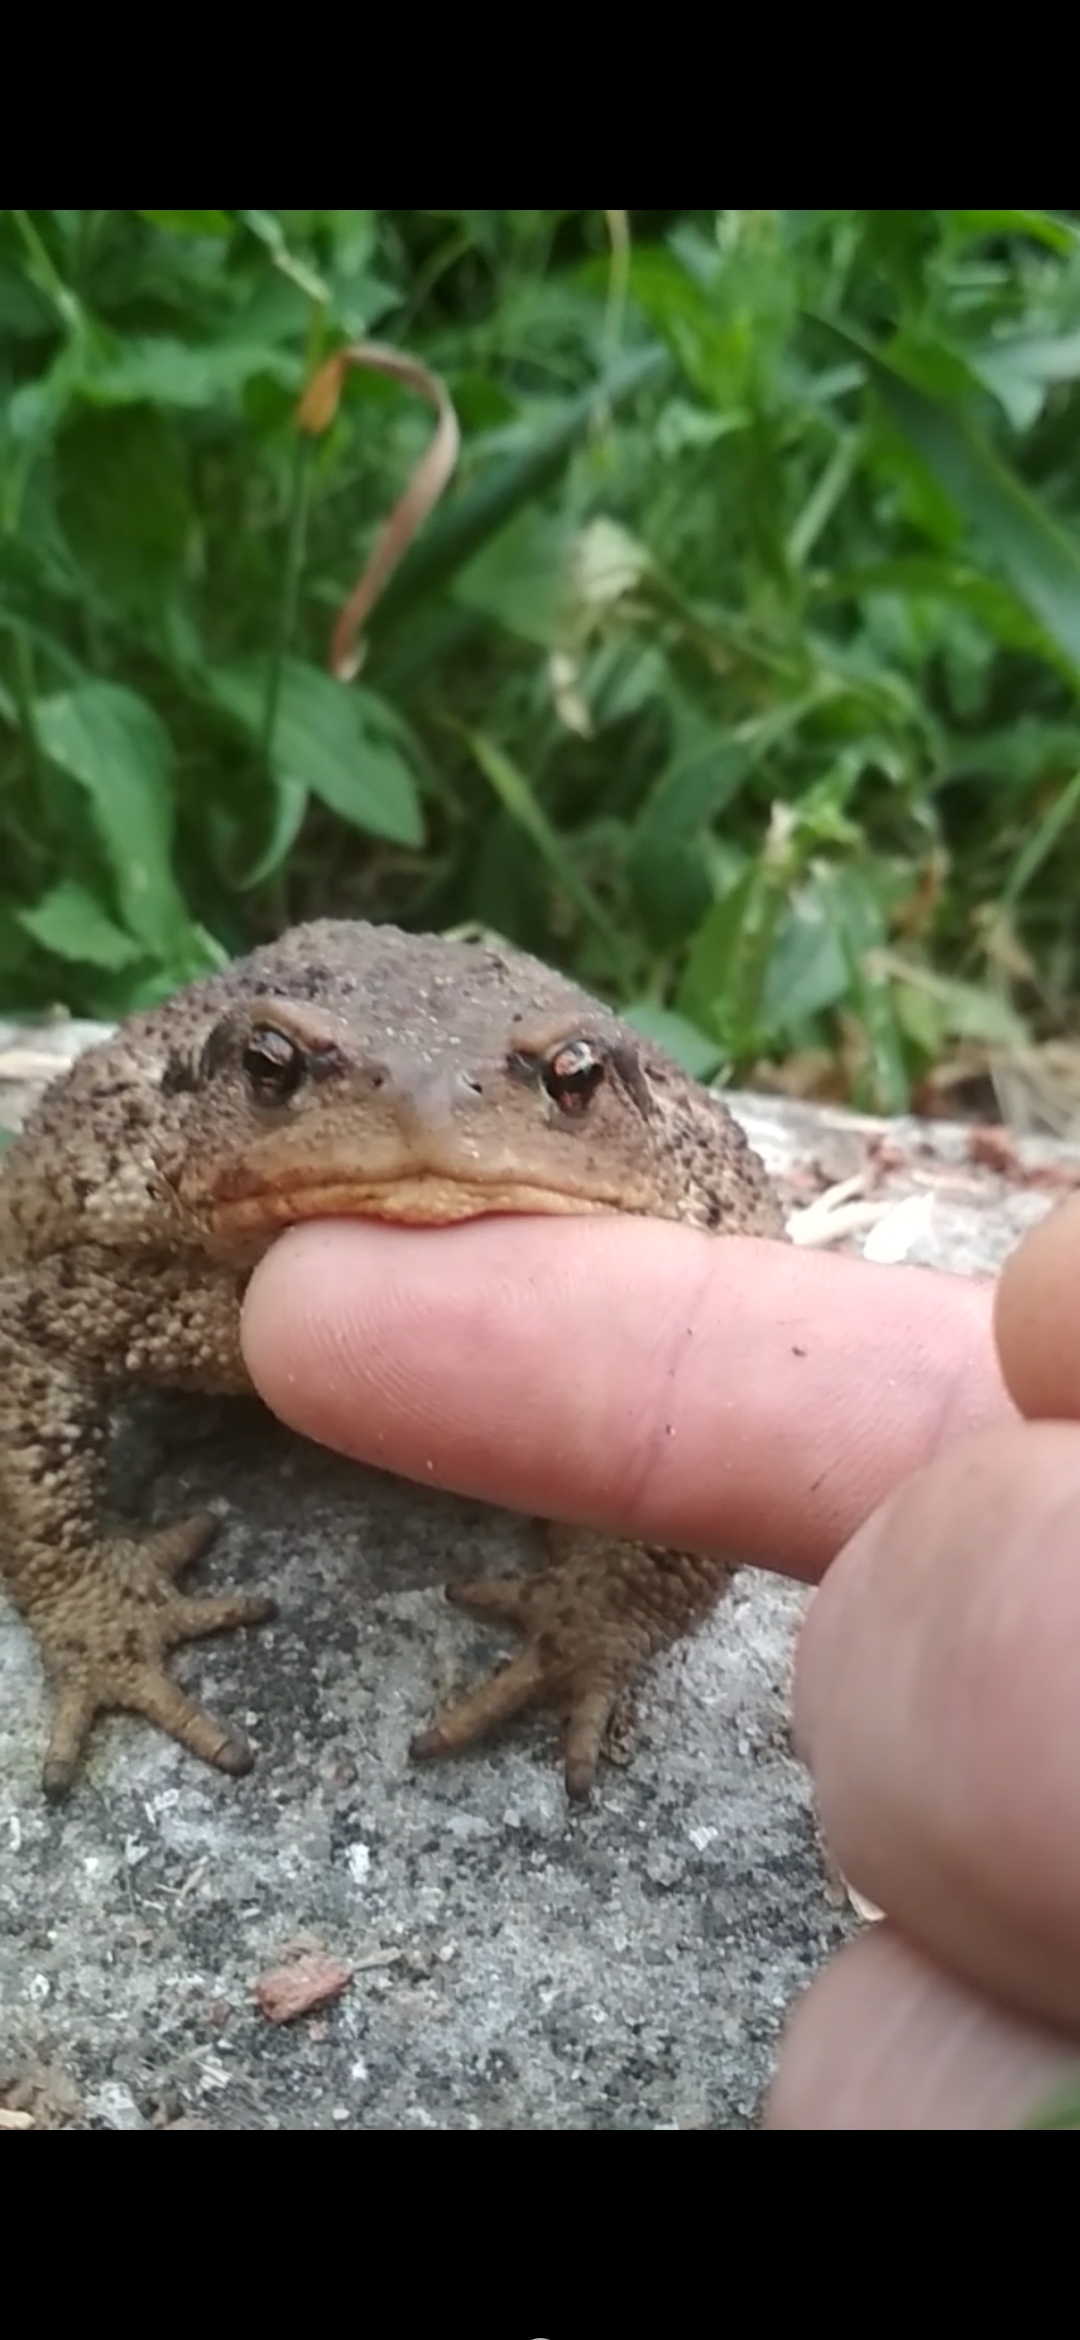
[
  {"x": 273, "y": 1065},
  {"x": 573, "y": 1074}
]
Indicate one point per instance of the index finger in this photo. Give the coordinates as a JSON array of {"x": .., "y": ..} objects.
[{"x": 625, "y": 1373}]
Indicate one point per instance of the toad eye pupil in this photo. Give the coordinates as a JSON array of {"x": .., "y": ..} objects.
[
  {"x": 573, "y": 1075},
  {"x": 273, "y": 1065}
]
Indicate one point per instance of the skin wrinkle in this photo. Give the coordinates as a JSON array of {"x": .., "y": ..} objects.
[
  {"x": 950, "y": 1404},
  {"x": 896, "y": 2020},
  {"x": 936, "y": 1702},
  {"x": 515, "y": 1431},
  {"x": 649, "y": 1457},
  {"x": 938, "y": 1687},
  {"x": 885, "y": 2040},
  {"x": 506, "y": 1311}
]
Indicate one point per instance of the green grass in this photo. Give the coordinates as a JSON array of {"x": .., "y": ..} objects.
[{"x": 737, "y": 671}]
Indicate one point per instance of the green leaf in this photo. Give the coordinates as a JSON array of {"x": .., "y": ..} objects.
[
  {"x": 521, "y": 579},
  {"x": 267, "y": 228},
  {"x": 622, "y": 676},
  {"x": 859, "y": 929},
  {"x": 727, "y": 313},
  {"x": 24, "y": 310},
  {"x": 112, "y": 743},
  {"x": 483, "y": 509},
  {"x": 1057, "y": 234},
  {"x": 336, "y": 739},
  {"x": 901, "y": 242},
  {"x": 521, "y": 802},
  {"x": 665, "y": 863},
  {"x": 1019, "y": 369},
  {"x": 70, "y": 923},
  {"x": 699, "y": 1055},
  {"x": 707, "y": 991},
  {"x": 157, "y": 370},
  {"x": 707, "y": 342},
  {"x": 288, "y": 811},
  {"x": 1029, "y": 749},
  {"x": 122, "y": 498},
  {"x": 1045, "y": 357},
  {"x": 807, "y": 968},
  {"x": 962, "y": 1011},
  {"x": 695, "y": 787},
  {"x": 192, "y": 223},
  {"x": 918, "y": 578},
  {"x": 1045, "y": 835},
  {"x": 37, "y": 408},
  {"x": 1040, "y": 561}
]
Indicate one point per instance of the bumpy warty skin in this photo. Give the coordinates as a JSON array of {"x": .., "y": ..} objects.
[{"x": 344, "y": 1070}]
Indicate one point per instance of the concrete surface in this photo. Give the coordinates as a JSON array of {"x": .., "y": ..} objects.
[{"x": 515, "y": 1964}]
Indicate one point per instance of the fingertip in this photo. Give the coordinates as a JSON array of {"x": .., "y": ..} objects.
[
  {"x": 884, "y": 2039},
  {"x": 627, "y": 1373},
  {"x": 936, "y": 1686},
  {"x": 1035, "y": 1314}
]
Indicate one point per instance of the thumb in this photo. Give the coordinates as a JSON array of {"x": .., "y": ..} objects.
[{"x": 1036, "y": 1317}]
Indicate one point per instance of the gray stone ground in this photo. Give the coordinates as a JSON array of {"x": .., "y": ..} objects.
[{"x": 515, "y": 1964}]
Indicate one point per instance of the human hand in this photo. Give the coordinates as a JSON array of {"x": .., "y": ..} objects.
[
  {"x": 937, "y": 1702},
  {"x": 638, "y": 1375},
  {"x": 625, "y": 1373}
]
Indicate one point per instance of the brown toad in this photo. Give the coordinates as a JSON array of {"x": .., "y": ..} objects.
[{"x": 344, "y": 1070}]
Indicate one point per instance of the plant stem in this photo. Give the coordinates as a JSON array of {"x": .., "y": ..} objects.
[
  {"x": 299, "y": 499},
  {"x": 295, "y": 543},
  {"x": 46, "y": 275}
]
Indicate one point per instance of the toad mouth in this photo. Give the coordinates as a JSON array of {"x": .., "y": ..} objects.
[{"x": 419, "y": 1200}]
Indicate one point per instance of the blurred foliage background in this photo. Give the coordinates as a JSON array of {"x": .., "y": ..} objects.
[{"x": 736, "y": 672}]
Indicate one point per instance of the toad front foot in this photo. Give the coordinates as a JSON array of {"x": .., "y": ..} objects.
[
  {"x": 104, "y": 1637},
  {"x": 590, "y": 1621}
]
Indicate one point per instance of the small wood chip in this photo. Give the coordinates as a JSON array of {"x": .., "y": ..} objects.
[
  {"x": 16, "y": 2120},
  {"x": 309, "y": 1982},
  {"x": 863, "y": 1907},
  {"x": 994, "y": 1149}
]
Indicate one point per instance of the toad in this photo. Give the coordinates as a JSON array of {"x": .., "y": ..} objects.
[{"x": 345, "y": 1070}]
